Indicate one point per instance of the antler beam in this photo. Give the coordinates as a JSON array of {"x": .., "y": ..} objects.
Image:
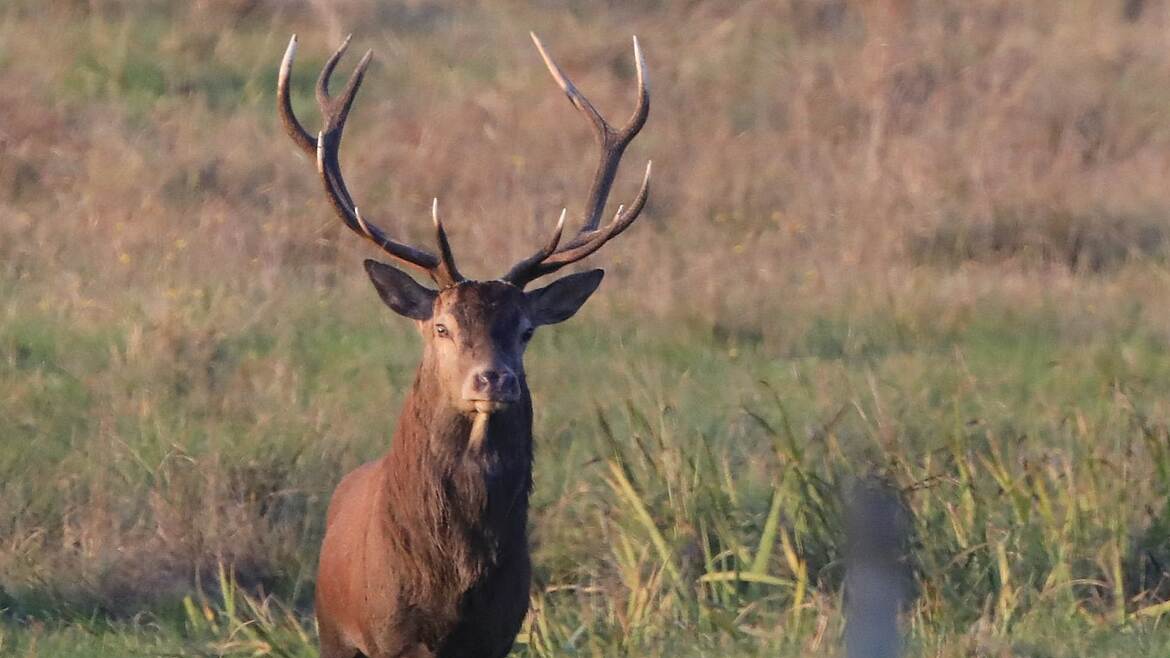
[
  {"x": 441, "y": 268},
  {"x": 613, "y": 144},
  {"x": 324, "y": 150}
]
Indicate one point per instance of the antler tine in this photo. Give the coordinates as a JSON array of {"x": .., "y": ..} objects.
[
  {"x": 520, "y": 270},
  {"x": 446, "y": 258},
  {"x": 295, "y": 130},
  {"x": 322, "y": 87},
  {"x": 613, "y": 143},
  {"x": 575, "y": 96},
  {"x": 583, "y": 245},
  {"x": 324, "y": 149}
]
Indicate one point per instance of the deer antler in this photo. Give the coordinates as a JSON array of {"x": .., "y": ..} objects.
[
  {"x": 613, "y": 144},
  {"x": 324, "y": 148}
]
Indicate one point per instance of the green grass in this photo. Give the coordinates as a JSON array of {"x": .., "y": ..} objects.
[{"x": 671, "y": 467}]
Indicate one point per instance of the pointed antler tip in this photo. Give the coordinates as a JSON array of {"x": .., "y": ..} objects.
[
  {"x": 287, "y": 61},
  {"x": 555, "y": 239},
  {"x": 540, "y": 48},
  {"x": 364, "y": 62},
  {"x": 341, "y": 50},
  {"x": 640, "y": 65}
]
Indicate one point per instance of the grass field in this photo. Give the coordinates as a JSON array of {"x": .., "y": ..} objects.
[{"x": 919, "y": 242}]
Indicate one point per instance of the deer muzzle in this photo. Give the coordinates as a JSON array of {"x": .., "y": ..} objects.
[{"x": 491, "y": 389}]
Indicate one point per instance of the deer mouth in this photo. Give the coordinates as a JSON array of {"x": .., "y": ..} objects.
[{"x": 490, "y": 406}]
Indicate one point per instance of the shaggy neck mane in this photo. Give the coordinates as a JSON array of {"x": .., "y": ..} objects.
[{"x": 454, "y": 505}]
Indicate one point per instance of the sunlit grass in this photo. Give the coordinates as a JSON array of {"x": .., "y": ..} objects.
[{"x": 681, "y": 493}]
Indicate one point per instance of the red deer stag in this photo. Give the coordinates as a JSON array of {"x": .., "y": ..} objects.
[{"x": 426, "y": 549}]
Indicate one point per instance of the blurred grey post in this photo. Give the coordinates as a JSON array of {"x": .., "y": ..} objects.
[{"x": 876, "y": 580}]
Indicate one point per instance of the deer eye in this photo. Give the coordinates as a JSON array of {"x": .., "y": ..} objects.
[
  {"x": 527, "y": 335},
  {"x": 441, "y": 331}
]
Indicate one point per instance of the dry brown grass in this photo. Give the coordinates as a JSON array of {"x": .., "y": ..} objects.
[{"x": 798, "y": 146}]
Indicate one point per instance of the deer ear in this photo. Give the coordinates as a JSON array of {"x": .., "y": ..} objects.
[
  {"x": 402, "y": 294},
  {"x": 559, "y": 300}
]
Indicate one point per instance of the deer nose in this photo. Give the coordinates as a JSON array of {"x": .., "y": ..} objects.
[{"x": 496, "y": 384}]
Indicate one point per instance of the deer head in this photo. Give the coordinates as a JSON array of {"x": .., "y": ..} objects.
[{"x": 475, "y": 332}]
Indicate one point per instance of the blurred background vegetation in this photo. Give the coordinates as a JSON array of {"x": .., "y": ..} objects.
[{"x": 919, "y": 241}]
